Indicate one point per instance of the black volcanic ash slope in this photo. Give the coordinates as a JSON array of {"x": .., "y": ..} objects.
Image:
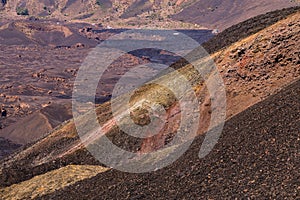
[
  {"x": 45, "y": 154},
  {"x": 241, "y": 30},
  {"x": 247, "y": 28},
  {"x": 257, "y": 156}
]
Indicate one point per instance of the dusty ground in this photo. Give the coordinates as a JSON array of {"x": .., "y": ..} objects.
[
  {"x": 246, "y": 83},
  {"x": 256, "y": 155},
  {"x": 39, "y": 63},
  {"x": 32, "y": 80}
]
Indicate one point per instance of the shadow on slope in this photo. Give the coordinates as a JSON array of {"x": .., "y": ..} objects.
[{"x": 7, "y": 147}]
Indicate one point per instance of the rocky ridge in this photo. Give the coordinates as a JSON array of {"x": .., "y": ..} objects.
[{"x": 251, "y": 74}]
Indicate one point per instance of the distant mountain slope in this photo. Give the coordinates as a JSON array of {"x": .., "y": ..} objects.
[
  {"x": 87, "y": 8},
  {"x": 221, "y": 14},
  {"x": 44, "y": 33},
  {"x": 253, "y": 69},
  {"x": 154, "y": 13}
]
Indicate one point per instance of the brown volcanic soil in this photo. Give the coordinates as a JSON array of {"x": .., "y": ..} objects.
[
  {"x": 41, "y": 62},
  {"x": 223, "y": 14},
  {"x": 256, "y": 157},
  {"x": 147, "y": 13},
  {"x": 251, "y": 71},
  {"x": 46, "y": 33},
  {"x": 124, "y": 13},
  {"x": 43, "y": 77},
  {"x": 7, "y": 147},
  {"x": 41, "y": 68},
  {"x": 31, "y": 128},
  {"x": 34, "y": 76},
  {"x": 37, "y": 75}
]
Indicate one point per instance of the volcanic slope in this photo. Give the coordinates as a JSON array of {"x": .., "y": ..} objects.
[
  {"x": 246, "y": 28},
  {"x": 108, "y": 12},
  {"x": 257, "y": 156},
  {"x": 184, "y": 13},
  {"x": 247, "y": 82},
  {"x": 23, "y": 57},
  {"x": 223, "y": 14}
]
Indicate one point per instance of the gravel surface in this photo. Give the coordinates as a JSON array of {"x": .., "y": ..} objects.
[{"x": 257, "y": 156}]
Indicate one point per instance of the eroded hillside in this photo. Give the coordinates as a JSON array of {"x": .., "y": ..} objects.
[
  {"x": 223, "y": 14},
  {"x": 145, "y": 13},
  {"x": 108, "y": 12},
  {"x": 253, "y": 69}
]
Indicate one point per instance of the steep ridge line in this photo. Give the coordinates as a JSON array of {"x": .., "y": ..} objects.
[
  {"x": 244, "y": 29},
  {"x": 256, "y": 157},
  {"x": 15, "y": 173},
  {"x": 241, "y": 31}
]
